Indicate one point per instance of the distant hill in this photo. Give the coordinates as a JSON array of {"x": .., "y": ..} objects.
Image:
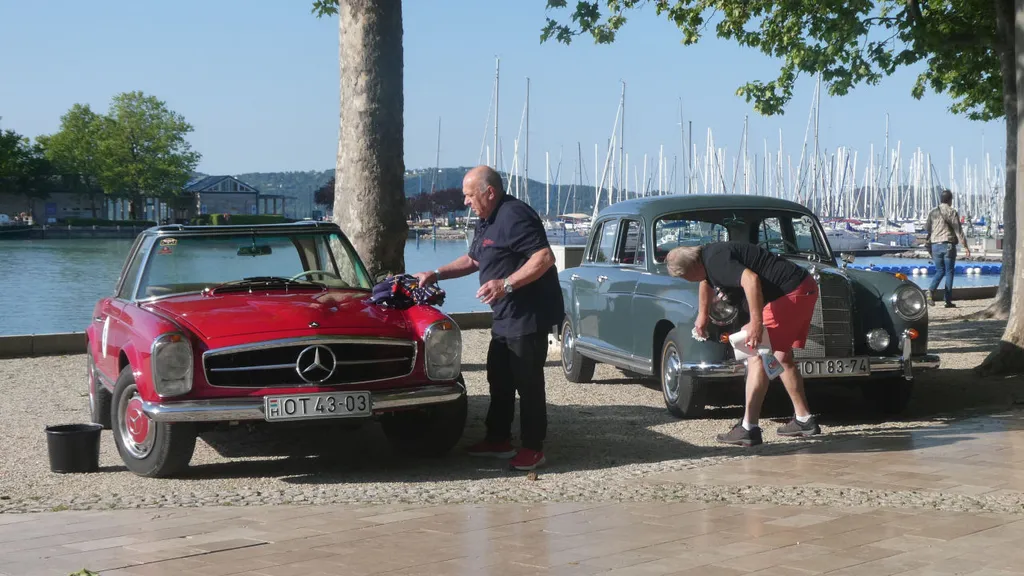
[{"x": 300, "y": 185}]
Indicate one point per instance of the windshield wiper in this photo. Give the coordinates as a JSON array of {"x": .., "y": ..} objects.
[{"x": 264, "y": 281}]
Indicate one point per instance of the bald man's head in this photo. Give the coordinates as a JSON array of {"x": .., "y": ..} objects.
[{"x": 482, "y": 189}]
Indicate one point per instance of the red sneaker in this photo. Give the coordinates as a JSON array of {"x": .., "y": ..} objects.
[
  {"x": 527, "y": 459},
  {"x": 503, "y": 449}
]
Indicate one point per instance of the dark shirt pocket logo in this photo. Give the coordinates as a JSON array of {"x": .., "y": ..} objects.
[{"x": 488, "y": 242}]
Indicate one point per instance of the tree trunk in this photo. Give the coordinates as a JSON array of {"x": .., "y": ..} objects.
[
  {"x": 1008, "y": 357},
  {"x": 369, "y": 192}
]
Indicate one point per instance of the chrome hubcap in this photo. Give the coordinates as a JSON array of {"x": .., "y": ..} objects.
[
  {"x": 137, "y": 430},
  {"x": 670, "y": 366},
  {"x": 568, "y": 347}
]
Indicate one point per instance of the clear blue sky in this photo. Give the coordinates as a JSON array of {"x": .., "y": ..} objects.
[{"x": 259, "y": 82}]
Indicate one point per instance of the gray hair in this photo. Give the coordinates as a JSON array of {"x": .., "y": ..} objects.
[{"x": 682, "y": 259}]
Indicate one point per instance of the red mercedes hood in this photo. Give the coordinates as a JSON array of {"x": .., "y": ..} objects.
[{"x": 241, "y": 313}]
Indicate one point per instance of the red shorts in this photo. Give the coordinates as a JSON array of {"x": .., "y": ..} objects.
[{"x": 795, "y": 311}]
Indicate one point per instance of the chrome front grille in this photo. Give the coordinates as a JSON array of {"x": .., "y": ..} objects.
[
  {"x": 286, "y": 363},
  {"x": 831, "y": 333}
]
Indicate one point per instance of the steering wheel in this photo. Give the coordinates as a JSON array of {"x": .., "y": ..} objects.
[{"x": 311, "y": 272}]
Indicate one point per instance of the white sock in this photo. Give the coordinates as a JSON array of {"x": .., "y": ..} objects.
[
  {"x": 748, "y": 426},
  {"x": 803, "y": 419}
]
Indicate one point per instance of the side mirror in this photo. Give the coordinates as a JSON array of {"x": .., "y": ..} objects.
[{"x": 847, "y": 258}]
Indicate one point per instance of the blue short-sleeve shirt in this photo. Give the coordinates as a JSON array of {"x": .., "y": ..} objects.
[{"x": 502, "y": 243}]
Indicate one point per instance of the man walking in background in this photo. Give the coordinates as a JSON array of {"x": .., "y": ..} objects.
[
  {"x": 518, "y": 279},
  {"x": 780, "y": 296},
  {"x": 944, "y": 231}
]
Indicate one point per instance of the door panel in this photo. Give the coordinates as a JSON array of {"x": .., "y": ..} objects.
[
  {"x": 616, "y": 327},
  {"x": 596, "y": 266}
]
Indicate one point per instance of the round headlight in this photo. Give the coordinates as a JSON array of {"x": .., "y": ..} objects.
[
  {"x": 878, "y": 339},
  {"x": 909, "y": 303},
  {"x": 722, "y": 313},
  {"x": 172, "y": 360},
  {"x": 442, "y": 343}
]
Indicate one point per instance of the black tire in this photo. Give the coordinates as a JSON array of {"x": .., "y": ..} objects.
[
  {"x": 431, "y": 431},
  {"x": 576, "y": 367},
  {"x": 99, "y": 396},
  {"x": 166, "y": 448},
  {"x": 889, "y": 396},
  {"x": 685, "y": 396}
]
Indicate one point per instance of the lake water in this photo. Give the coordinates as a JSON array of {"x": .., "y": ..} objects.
[{"x": 51, "y": 285}]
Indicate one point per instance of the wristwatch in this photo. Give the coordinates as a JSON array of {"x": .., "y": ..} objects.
[
  {"x": 508, "y": 286},
  {"x": 437, "y": 275}
]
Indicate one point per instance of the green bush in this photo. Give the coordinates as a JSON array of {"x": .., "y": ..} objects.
[{"x": 102, "y": 222}]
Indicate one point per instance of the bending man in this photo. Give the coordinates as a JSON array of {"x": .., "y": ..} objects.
[{"x": 780, "y": 296}]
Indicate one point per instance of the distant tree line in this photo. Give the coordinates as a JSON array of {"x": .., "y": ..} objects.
[
  {"x": 135, "y": 151},
  {"x": 437, "y": 203}
]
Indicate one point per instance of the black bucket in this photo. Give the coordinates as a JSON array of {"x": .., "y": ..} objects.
[{"x": 74, "y": 447}]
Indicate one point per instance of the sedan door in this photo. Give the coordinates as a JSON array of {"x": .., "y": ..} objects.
[
  {"x": 616, "y": 286},
  {"x": 597, "y": 262}
]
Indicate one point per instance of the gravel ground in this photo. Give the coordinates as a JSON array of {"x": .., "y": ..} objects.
[{"x": 603, "y": 439}]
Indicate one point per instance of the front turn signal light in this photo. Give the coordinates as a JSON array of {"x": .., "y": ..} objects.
[
  {"x": 912, "y": 333},
  {"x": 724, "y": 338}
]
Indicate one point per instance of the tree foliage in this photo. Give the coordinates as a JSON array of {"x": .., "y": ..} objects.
[
  {"x": 24, "y": 170},
  {"x": 143, "y": 149},
  {"x": 849, "y": 42}
]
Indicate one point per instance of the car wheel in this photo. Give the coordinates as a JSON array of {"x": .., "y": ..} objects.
[
  {"x": 576, "y": 367},
  {"x": 685, "y": 395},
  {"x": 889, "y": 395},
  {"x": 431, "y": 431},
  {"x": 99, "y": 396},
  {"x": 148, "y": 448}
]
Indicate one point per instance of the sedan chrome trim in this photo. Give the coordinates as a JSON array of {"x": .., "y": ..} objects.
[
  {"x": 733, "y": 368},
  {"x": 231, "y": 409}
]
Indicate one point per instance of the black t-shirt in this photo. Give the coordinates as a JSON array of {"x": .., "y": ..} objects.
[
  {"x": 501, "y": 245},
  {"x": 724, "y": 263}
]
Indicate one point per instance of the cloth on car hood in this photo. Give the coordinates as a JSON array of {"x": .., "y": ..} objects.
[{"x": 404, "y": 291}]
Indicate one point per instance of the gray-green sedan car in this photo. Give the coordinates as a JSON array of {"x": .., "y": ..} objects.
[{"x": 622, "y": 307}]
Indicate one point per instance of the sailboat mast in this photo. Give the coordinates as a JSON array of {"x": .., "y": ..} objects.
[
  {"x": 622, "y": 127},
  {"x": 526, "y": 161},
  {"x": 497, "y": 63}
]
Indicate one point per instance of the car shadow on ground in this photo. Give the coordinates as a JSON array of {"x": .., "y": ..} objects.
[{"x": 583, "y": 437}]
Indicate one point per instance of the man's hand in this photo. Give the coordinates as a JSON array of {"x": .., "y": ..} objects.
[
  {"x": 701, "y": 325},
  {"x": 425, "y": 278},
  {"x": 754, "y": 329},
  {"x": 491, "y": 291}
]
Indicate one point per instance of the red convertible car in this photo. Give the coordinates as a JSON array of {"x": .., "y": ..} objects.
[{"x": 271, "y": 323}]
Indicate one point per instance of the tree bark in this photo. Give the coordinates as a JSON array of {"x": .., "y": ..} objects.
[
  {"x": 1008, "y": 357},
  {"x": 369, "y": 192},
  {"x": 1000, "y": 307}
]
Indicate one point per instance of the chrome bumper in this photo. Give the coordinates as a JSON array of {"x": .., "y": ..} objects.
[
  {"x": 230, "y": 409},
  {"x": 733, "y": 368}
]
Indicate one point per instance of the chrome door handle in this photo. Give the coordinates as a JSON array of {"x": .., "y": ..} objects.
[
  {"x": 602, "y": 278},
  {"x": 574, "y": 277},
  {"x": 98, "y": 319}
]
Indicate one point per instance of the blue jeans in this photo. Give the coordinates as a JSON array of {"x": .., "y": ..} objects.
[{"x": 945, "y": 260}]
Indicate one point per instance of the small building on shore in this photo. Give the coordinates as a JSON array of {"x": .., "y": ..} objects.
[{"x": 222, "y": 195}]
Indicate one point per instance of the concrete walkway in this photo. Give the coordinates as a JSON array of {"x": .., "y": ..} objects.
[{"x": 963, "y": 515}]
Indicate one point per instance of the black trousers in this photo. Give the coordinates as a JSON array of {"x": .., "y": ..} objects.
[{"x": 517, "y": 364}]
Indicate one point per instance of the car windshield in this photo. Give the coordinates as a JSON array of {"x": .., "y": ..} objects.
[
  {"x": 193, "y": 263},
  {"x": 779, "y": 231}
]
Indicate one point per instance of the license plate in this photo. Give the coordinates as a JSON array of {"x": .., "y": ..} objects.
[
  {"x": 310, "y": 406},
  {"x": 834, "y": 366}
]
